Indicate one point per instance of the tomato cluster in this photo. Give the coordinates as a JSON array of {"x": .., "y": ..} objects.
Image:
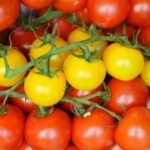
[{"x": 74, "y": 75}]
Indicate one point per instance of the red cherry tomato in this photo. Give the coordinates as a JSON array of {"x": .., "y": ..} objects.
[
  {"x": 139, "y": 13},
  {"x": 51, "y": 132},
  {"x": 37, "y": 5},
  {"x": 25, "y": 105},
  {"x": 126, "y": 94},
  {"x": 9, "y": 12},
  {"x": 69, "y": 5},
  {"x": 144, "y": 36},
  {"x": 78, "y": 94},
  {"x": 23, "y": 38},
  {"x": 64, "y": 27},
  {"x": 11, "y": 128},
  {"x": 107, "y": 14},
  {"x": 133, "y": 131},
  {"x": 2, "y": 97},
  {"x": 95, "y": 132}
]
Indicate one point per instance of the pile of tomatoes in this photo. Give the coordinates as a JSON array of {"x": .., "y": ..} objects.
[{"x": 75, "y": 75}]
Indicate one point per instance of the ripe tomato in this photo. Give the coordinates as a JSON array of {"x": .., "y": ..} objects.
[
  {"x": 43, "y": 90},
  {"x": 133, "y": 131},
  {"x": 64, "y": 27},
  {"x": 107, "y": 14},
  {"x": 80, "y": 93},
  {"x": 145, "y": 74},
  {"x": 11, "y": 128},
  {"x": 139, "y": 12},
  {"x": 122, "y": 62},
  {"x": 9, "y": 12},
  {"x": 69, "y": 5},
  {"x": 94, "y": 132},
  {"x": 83, "y": 75},
  {"x": 51, "y": 132},
  {"x": 144, "y": 37},
  {"x": 23, "y": 38},
  {"x": 56, "y": 60},
  {"x": 79, "y": 34},
  {"x": 24, "y": 146},
  {"x": 83, "y": 15},
  {"x": 25, "y": 105},
  {"x": 127, "y": 94},
  {"x": 15, "y": 60},
  {"x": 34, "y": 5}
]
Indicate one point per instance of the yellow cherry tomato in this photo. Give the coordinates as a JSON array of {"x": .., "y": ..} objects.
[
  {"x": 122, "y": 62},
  {"x": 15, "y": 60},
  {"x": 84, "y": 75},
  {"x": 145, "y": 74},
  {"x": 44, "y": 90},
  {"x": 80, "y": 34},
  {"x": 56, "y": 60}
]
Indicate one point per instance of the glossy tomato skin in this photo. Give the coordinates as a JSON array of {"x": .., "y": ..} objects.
[
  {"x": 91, "y": 73},
  {"x": 9, "y": 12},
  {"x": 123, "y": 63},
  {"x": 44, "y": 90},
  {"x": 93, "y": 132},
  {"x": 34, "y": 5},
  {"x": 11, "y": 128},
  {"x": 78, "y": 94},
  {"x": 107, "y": 14},
  {"x": 23, "y": 38},
  {"x": 133, "y": 131},
  {"x": 139, "y": 13},
  {"x": 64, "y": 27},
  {"x": 83, "y": 15},
  {"x": 25, "y": 105},
  {"x": 51, "y": 132},
  {"x": 24, "y": 146},
  {"x": 127, "y": 94},
  {"x": 144, "y": 36},
  {"x": 69, "y": 5},
  {"x": 15, "y": 60}
]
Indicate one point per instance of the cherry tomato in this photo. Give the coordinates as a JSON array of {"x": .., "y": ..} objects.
[
  {"x": 56, "y": 60},
  {"x": 133, "y": 131},
  {"x": 25, "y": 105},
  {"x": 122, "y": 62},
  {"x": 82, "y": 74},
  {"x": 94, "y": 132},
  {"x": 51, "y": 132},
  {"x": 139, "y": 13},
  {"x": 107, "y": 14},
  {"x": 11, "y": 128},
  {"x": 80, "y": 34},
  {"x": 44, "y": 90},
  {"x": 80, "y": 93},
  {"x": 15, "y": 60},
  {"x": 23, "y": 38},
  {"x": 144, "y": 37},
  {"x": 24, "y": 146},
  {"x": 69, "y": 5},
  {"x": 9, "y": 12},
  {"x": 64, "y": 27},
  {"x": 37, "y": 5},
  {"x": 145, "y": 74},
  {"x": 83, "y": 15},
  {"x": 126, "y": 94}
]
